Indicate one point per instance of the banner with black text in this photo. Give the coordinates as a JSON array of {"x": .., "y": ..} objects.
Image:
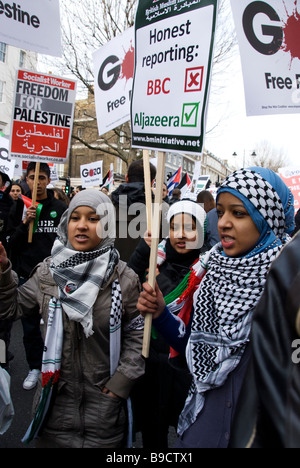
[{"x": 269, "y": 36}]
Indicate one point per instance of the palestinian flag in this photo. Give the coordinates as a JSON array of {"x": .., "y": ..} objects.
[
  {"x": 108, "y": 180},
  {"x": 27, "y": 203},
  {"x": 184, "y": 185}
]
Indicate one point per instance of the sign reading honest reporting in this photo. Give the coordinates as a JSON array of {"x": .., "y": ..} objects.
[{"x": 173, "y": 60}]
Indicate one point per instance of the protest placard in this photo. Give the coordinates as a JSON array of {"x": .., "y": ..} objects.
[
  {"x": 291, "y": 177},
  {"x": 91, "y": 174},
  {"x": 42, "y": 118},
  {"x": 31, "y": 25},
  {"x": 268, "y": 35},
  {"x": 173, "y": 61},
  {"x": 113, "y": 71}
]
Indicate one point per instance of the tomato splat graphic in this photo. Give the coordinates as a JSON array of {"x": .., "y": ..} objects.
[
  {"x": 127, "y": 66},
  {"x": 291, "y": 31}
]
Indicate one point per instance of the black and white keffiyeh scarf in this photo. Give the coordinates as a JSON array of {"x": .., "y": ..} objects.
[
  {"x": 227, "y": 295},
  {"x": 80, "y": 276}
]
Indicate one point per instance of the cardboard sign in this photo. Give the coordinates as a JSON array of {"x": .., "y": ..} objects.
[
  {"x": 268, "y": 34},
  {"x": 6, "y": 165},
  {"x": 291, "y": 177},
  {"x": 113, "y": 70},
  {"x": 173, "y": 59},
  {"x": 42, "y": 118},
  {"x": 91, "y": 174},
  {"x": 31, "y": 25}
]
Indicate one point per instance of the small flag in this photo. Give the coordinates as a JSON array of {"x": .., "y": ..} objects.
[
  {"x": 185, "y": 184},
  {"x": 108, "y": 180},
  {"x": 27, "y": 203},
  {"x": 174, "y": 181}
]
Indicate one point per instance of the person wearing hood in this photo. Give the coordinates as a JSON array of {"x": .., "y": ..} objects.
[
  {"x": 166, "y": 383},
  {"x": 94, "y": 333},
  {"x": 130, "y": 205},
  {"x": 256, "y": 218}
]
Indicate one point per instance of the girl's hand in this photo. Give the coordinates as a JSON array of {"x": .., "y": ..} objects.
[
  {"x": 151, "y": 301},
  {"x": 147, "y": 238},
  {"x": 3, "y": 258}
]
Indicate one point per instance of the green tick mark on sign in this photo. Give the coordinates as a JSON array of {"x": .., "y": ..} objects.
[{"x": 190, "y": 114}]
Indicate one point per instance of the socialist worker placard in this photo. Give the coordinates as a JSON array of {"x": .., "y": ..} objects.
[{"x": 42, "y": 118}]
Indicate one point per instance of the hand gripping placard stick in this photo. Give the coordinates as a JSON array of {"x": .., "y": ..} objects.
[
  {"x": 156, "y": 221},
  {"x": 36, "y": 180}
]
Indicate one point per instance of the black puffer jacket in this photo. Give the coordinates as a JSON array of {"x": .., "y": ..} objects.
[{"x": 25, "y": 256}]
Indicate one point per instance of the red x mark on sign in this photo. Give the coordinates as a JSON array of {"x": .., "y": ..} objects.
[{"x": 193, "y": 79}]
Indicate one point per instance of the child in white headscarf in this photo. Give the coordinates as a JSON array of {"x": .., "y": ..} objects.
[
  {"x": 94, "y": 333},
  {"x": 163, "y": 386}
]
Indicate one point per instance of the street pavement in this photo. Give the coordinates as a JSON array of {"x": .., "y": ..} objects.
[{"x": 22, "y": 399}]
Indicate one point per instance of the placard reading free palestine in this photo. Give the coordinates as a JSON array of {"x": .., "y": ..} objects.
[{"x": 173, "y": 60}]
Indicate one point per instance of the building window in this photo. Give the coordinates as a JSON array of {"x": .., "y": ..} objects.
[
  {"x": 1, "y": 91},
  {"x": 22, "y": 58},
  {"x": 2, "y": 51}
]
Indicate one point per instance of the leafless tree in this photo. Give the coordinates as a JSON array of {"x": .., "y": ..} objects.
[{"x": 269, "y": 156}]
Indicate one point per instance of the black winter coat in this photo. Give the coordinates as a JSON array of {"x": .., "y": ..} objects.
[
  {"x": 25, "y": 256},
  {"x": 268, "y": 413}
]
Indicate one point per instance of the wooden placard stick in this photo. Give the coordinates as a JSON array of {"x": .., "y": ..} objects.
[
  {"x": 2, "y": 352},
  {"x": 156, "y": 222},
  {"x": 148, "y": 191},
  {"x": 36, "y": 180}
]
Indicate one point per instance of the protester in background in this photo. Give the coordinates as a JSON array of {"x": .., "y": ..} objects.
[
  {"x": 163, "y": 386},
  {"x": 79, "y": 188},
  {"x": 25, "y": 256},
  {"x": 206, "y": 199},
  {"x": 165, "y": 193},
  {"x": 16, "y": 191},
  {"x": 268, "y": 415},
  {"x": 4, "y": 180},
  {"x": 176, "y": 195},
  {"x": 130, "y": 204},
  {"x": 256, "y": 212},
  {"x": 93, "y": 344},
  {"x": 61, "y": 195},
  {"x": 105, "y": 190},
  {"x": 24, "y": 184}
]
